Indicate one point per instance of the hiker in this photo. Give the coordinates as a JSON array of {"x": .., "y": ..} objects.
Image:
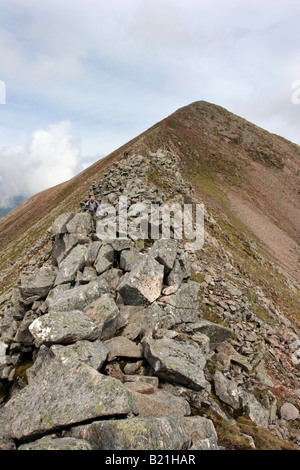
[
  {"x": 127, "y": 153},
  {"x": 92, "y": 206}
]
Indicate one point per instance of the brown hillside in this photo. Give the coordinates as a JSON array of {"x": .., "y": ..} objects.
[{"x": 246, "y": 174}]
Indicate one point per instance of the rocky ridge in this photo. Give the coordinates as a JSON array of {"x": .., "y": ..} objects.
[{"x": 171, "y": 333}]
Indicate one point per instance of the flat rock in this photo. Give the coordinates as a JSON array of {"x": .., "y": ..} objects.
[
  {"x": 215, "y": 332},
  {"x": 63, "y": 328},
  {"x": 78, "y": 297},
  {"x": 177, "y": 361},
  {"x": 104, "y": 313},
  {"x": 64, "y": 393},
  {"x": 159, "y": 433},
  {"x": 143, "y": 284},
  {"x": 64, "y": 443},
  {"x": 123, "y": 347},
  {"x": 93, "y": 353},
  {"x": 156, "y": 402}
]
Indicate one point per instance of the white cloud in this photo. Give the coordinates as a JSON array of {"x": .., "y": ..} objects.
[{"x": 51, "y": 157}]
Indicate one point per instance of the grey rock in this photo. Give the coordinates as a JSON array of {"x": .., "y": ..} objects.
[
  {"x": 181, "y": 307},
  {"x": 77, "y": 298},
  {"x": 63, "y": 328},
  {"x": 256, "y": 412},
  {"x": 105, "y": 315},
  {"x": 164, "y": 251},
  {"x": 75, "y": 261},
  {"x": 6, "y": 443},
  {"x": 180, "y": 271},
  {"x": 178, "y": 362},
  {"x": 289, "y": 412},
  {"x": 89, "y": 274},
  {"x": 81, "y": 223},
  {"x": 93, "y": 250},
  {"x": 129, "y": 258},
  {"x": 3, "y": 349},
  {"x": 37, "y": 283},
  {"x": 226, "y": 390},
  {"x": 71, "y": 240},
  {"x": 143, "y": 321},
  {"x": 64, "y": 443},
  {"x": 93, "y": 353},
  {"x": 202, "y": 433},
  {"x": 62, "y": 394},
  {"x": 120, "y": 244},
  {"x": 216, "y": 333},
  {"x": 123, "y": 347},
  {"x": 23, "y": 334},
  {"x": 143, "y": 284},
  {"x": 59, "y": 226},
  {"x": 159, "y": 433},
  {"x": 154, "y": 402},
  {"x": 105, "y": 259}
]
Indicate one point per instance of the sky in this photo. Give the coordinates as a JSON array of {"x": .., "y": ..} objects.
[{"x": 78, "y": 79}]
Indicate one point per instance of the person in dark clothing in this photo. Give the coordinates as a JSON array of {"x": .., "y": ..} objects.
[{"x": 92, "y": 206}]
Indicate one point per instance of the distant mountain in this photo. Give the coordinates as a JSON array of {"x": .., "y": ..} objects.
[{"x": 17, "y": 200}]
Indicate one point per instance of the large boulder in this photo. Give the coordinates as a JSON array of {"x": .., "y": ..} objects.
[
  {"x": 202, "y": 432},
  {"x": 77, "y": 298},
  {"x": 37, "y": 283},
  {"x": 289, "y": 412},
  {"x": 92, "y": 353},
  {"x": 183, "y": 306},
  {"x": 74, "y": 262},
  {"x": 105, "y": 315},
  {"x": 216, "y": 333},
  {"x": 62, "y": 394},
  {"x": 120, "y": 346},
  {"x": 164, "y": 251},
  {"x": 59, "y": 226},
  {"x": 143, "y": 284},
  {"x": 177, "y": 361},
  {"x": 81, "y": 223},
  {"x": 105, "y": 258},
  {"x": 252, "y": 408},
  {"x": 63, "y": 328},
  {"x": 159, "y": 433}
]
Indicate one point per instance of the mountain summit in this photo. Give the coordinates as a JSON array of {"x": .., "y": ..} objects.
[{"x": 146, "y": 342}]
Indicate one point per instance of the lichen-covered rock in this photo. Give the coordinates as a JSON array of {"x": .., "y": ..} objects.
[
  {"x": 120, "y": 346},
  {"x": 159, "y": 433},
  {"x": 63, "y": 328},
  {"x": 105, "y": 315},
  {"x": 177, "y": 361},
  {"x": 92, "y": 353},
  {"x": 81, "y": 223},
  {"x": 143, "y": 284},
  {"x": 202, "y": 432},
  {"x": 78, "y": 297},
  {"x": 129, "y": 258},
  {"x": 183, "y": 306},
  {"x": 64, "y": 393},
  {"x": 105, "y": 258},
  {"x": 154, "y": 402},
  {"x": 226, "y": 390},
  {"x": 64, "y": 443},
  {"x": 164, "y": 251},
  {"x": 37, "y": 283},
  {"x": 75, "y": 261}
]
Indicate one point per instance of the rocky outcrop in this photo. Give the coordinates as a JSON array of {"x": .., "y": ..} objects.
[{"x": 113, "y": 344}]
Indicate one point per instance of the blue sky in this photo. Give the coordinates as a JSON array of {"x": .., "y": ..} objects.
[{"x": 84, "y": 77}]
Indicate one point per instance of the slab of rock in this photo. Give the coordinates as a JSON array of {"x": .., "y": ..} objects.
[
  {"x": 252, "y": 408},
  {"x": 155, "y": 402},
  {"x": 143, "y": 321},
  {"x": 104, "y": 313},
  {"x": 78, "y": 297},
  {"x": 289, "y": 412},
  {"x": 159, "y": 433},
  {"x": 37, "y": 283},
  {"x": 164, "y": 251},
  {"x": 120, "y": 346},
  {"x": 105, "y": 258},
  {"x": 81, "y": 223},
  {"x": 59, "y": 226},
  {"x": 63, "y": 328},
  {"x": 74, "y": 262},
  {"x": 226, "y": 390},
  {"x": 183, "y": 306},
  {"x": 63, "y": 443},
  {"x": 202, "y": 432},
  {"x": 143, "y": 284},
  {"x": 216, "y": 333},
  {"x": 129, "y": 258},
  {"x": 93, "y": 353},
  {"x": 177, "y": 361},
  {"x": 62, "y": 394}
]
